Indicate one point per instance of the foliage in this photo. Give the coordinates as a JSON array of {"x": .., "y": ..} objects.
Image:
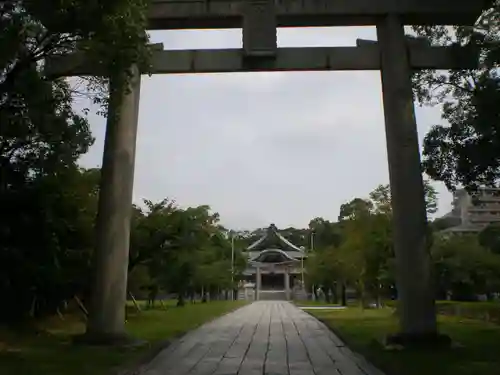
[
  {"x": 359, "y": 251},
  {"x": 489, "y": 238},
  {"x": 355, "y": 208},
  {"x": 46, "y": 237},
  {"x": 324, "y": 269},
  {"x": 367, "y": 254},
  {"x": 380, "y": 202},
  {"x": 183, "y": 249},
  {"x": 464, "y": 268},
  {"x": 381, "y": 199},
  {"x": 111, "y": 34},
  {"x": 324, "y": 233},
  {"x": 464, "y": 149}
]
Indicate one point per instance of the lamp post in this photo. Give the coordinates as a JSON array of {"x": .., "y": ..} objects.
[
  {"x": 232, "y": 266},
  {"x": 312, "y": 249},
  {"x": 302, "y": 267}
]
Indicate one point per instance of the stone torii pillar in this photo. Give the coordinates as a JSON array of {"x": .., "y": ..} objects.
[
  {"x": 413, "y": 272},
  {"x": 109, "y": 288},
  {"x": 106, "y": 324}
]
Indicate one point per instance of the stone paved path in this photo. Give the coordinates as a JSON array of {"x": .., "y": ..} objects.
[{"x": 265, "y": 337}]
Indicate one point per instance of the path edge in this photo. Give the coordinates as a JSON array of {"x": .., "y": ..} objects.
[
  {"x": 360, "y": 360},
  {"x": 137, "y": 366}
]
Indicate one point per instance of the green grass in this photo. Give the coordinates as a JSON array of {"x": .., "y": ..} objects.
[
  {"x": 52, "y": 353},
  {"x": 363, "y": 330}
]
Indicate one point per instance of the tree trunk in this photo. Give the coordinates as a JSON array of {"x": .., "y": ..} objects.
[
  {"x": 362, "y": 294},
  {"x": 335, "y": 293},
  {"x": 343, "y": 294},
  {"x": 379, "y": 296},
  {"x": 153, "y": 293},
  {"x": 327, "y": 295},
  {"x": 191, "y": 295},
  {"x": 180, "y": 300},
  {"x": 203, "y": 295}
]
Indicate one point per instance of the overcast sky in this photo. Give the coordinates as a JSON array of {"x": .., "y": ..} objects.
[{"x": 262, "y": 148}]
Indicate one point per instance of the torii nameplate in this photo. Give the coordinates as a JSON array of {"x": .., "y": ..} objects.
[{"x": 259, "y": 28}]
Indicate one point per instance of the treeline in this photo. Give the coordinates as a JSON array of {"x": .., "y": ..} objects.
[
  {"x": 361, "y": 256},
  {"x": 47, "y": 241},
  {"x": 182, "y": 251}
]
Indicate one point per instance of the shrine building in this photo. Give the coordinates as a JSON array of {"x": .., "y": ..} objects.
[{"x": 275, "y": 267}]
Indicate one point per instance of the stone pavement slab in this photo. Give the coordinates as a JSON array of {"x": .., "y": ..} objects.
[{"x": 263, "y": 338}]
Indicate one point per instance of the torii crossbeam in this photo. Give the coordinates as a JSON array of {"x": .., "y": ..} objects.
[
  {"x": 393, "y": 54},
  {"x": 364, "y": 57}
]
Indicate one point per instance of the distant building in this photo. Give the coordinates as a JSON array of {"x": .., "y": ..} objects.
[
  {"x": 275, "y": 266},
  {"x": 475, "y": 211}
]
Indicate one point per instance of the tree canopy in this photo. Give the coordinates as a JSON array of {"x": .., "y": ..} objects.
[
  {"x": 364, "y": 259},
  {"x": 464, "y": 149}
]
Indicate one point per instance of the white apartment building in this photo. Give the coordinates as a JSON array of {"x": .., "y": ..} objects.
[{"x": 475, "y": 211}]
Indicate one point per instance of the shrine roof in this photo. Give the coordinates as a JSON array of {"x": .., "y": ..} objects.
[
  {"x": 273, "y": 256},
  {"x": 272, "y": 236}
]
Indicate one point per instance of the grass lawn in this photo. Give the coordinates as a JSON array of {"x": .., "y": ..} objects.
[
  {"x": 361, "y": 330},
  {"x": 53, "y": 354}
]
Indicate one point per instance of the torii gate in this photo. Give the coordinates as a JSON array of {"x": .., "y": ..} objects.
[{"x": 394, "y": 55}]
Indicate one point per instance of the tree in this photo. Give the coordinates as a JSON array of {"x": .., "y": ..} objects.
[
  {"x": 489, "y": 238},
  {"x": 324, "y": 269},
  {"x": 366, "y": 255},
  {"x": 355, "y": 208},
  {"x": 464, "y": 268},
  {"x": 111, "y": 33},
  {"x": 46, "y": 242},
  {"x": 326, "y": 233},
  {"x": 366, "y": 249},
  {"x": 153, "y": 230},
  {"x": 298, "y": 236},
  {"x": 184, "y": 250},
  {"x": 465, "y": 149},
  {"x": 381, "y": 199}
]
